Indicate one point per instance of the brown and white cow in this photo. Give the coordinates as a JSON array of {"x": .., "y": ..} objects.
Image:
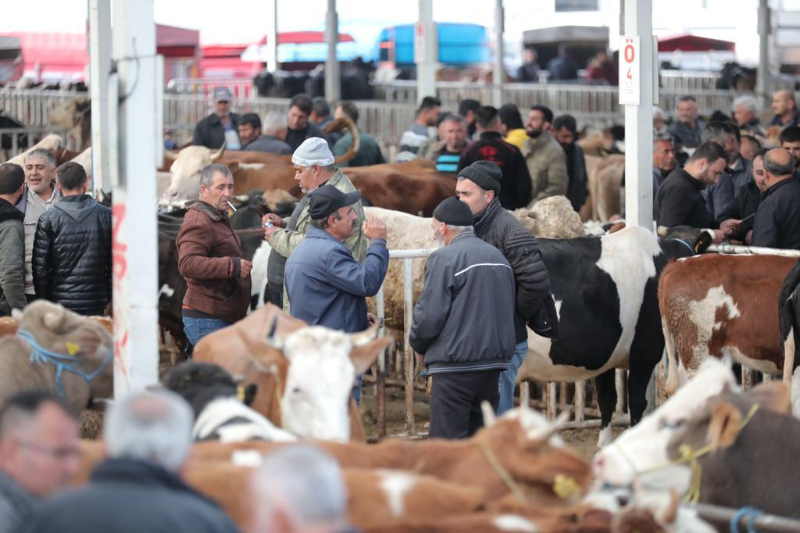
[{"x": 716, "y": 305}]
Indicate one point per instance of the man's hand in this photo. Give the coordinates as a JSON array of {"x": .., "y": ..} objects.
[
  {"x": 374, "y": 228},
  {"x": 274, "y": 219},
  {"x": 269, "y": 231},
  {"x": 718, "y": 235},
  {"x": 371, "y": 320},
  {"x": 420, "y": 360},
  {"x": 246, "y": 267},
  {"x": 730, "y": 226}
]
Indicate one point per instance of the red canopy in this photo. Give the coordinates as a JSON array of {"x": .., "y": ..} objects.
[{"x": 693, "y": 43}]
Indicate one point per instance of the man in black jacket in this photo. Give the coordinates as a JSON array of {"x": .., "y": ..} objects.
[
  {"x": 478, "y": 186},
  {"x": 777, "y": 222},
  {"x": 300, "y": 128},
  {"x": 12, "y": 239},
  {"x": 565, "y": 131},
  {"x": 679, "y": 201},
  {"x": 748, "y": 198},
  {"x": 221, "y": 126},
  {"x": 517, "y": 183},
  {"x": 463, "y": 323},
  {"x": 138, "y": 488},
  {"x": 72, "y": 247}
]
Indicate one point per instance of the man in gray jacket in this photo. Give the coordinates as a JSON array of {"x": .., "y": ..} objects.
[
  {"x": 12, "y": 239},
  {"x": 463, "y": 323}
]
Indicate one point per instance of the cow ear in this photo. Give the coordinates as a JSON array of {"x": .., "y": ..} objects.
[
  {"x": 703, "y": 241},
  {"x": 773, "y": 396},
  {"x": 724, "y": 426},
  {"x": 364, "y": 356}
]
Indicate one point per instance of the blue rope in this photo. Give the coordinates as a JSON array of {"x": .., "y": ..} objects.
[
  {"x": 41, "y": 355},
  {"x": 686, "y": 244},
  {"x": 749, "y": 514}
]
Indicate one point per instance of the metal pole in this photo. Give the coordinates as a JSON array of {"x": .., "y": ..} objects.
[
  {"x": 272, "y": 36},
  {"x": 498, "y": 72},
  {"x": 763, "y": 74},
  {"x": 134, "y": 211},
  {"x": 408, "y": 292},
  {"x": 380, "y": 378},
  {"x": 751, "y": 250},
  {"x": 639, "y": 120},
  {"x": 426, "y": 51},
  {"x": 99, "y": 68},
  {"x": 333, "y": 83},
  {"x": 764, "y": 522}
]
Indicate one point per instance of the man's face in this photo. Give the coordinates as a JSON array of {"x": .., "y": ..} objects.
[
  {"x": 248, "y": 133},
  {"x": 781, "y": 102},
  {"x": 742, "y": 115},
  {"x": 344, "y": 227},
  {"x": 664, "y": 156},
  {"x": 711, "y": 174},
  {"x": 759, "y": 175},
  {"x": 471, "y": 194},
  {"x": 731, "y": 146},
  {"x": 564, "y": 136},
  {"x": 222, "y": 108},
  {"x": 44, "y": 454},
  {"x": 455, "y": 135},
  {"x": 338, "y": 113},
  {"x": 687, "y": 111},
  {"x": 39, "y": 174},
  {"x": 437, "y": 227},
  {"x": 219, "y": 193},
  {"x": 794, "y": 149},
  {"x": 536, "y": 123},
  {"x": 429, "y": 116},
  {"x": 748, "y": 149},
  {"x": 530, "y": 56},
  {"x": 296, "y": 118},
  {"x": 308, "y": 178}
]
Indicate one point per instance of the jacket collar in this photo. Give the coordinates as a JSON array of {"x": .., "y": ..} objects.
[
  {"x": 777, "y": 186},
  {"x": 532, "y": 144},
  {"x": 211, "y": 212},
  {"x": 9, "y": 212},
  {"x": 316, "y": 233},
  {"x": 464, "y": 235},
  {"x": 484, "y": 220},
  {"x": 699, "y": 185},
  {"x": 490, "y": 135}
]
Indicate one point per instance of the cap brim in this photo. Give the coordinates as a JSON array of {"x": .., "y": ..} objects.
[{"x": 351, "y": 197}]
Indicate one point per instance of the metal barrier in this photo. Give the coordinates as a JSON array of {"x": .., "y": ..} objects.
[
  {"x": 240, "y": 87},
  {"x": 20, "y": 139},
  {"x": 31, "y": 107}
]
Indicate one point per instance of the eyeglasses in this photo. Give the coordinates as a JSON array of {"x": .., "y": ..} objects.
[{"x": 58, "y": 453}]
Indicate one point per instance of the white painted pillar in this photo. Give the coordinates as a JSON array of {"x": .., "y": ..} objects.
[
  {"x": 134, "y": 208},
  {"x": 639, "y": 118},
  {"x": 426, "y": 50},
  {"x": 333, "y": 83},
  {"x": 763, "y": 84},
  {"x": 498, "y": 70},
  {"x": 272, "y": 36},
  {"x": 99, "y": 69}
]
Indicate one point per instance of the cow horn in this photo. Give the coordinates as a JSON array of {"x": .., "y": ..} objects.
[
  {"x": 169, "y": 154},
  {"x": 344, "y": 123},
  {"x": 365, "y": 337},
  {"x": 489, "y": 416},
  {"x": 54, "y": 320},
  {"x": 272, "y": 339},
  {"x": 554, "y": 428},
  {"x": 219, "y": 153}
]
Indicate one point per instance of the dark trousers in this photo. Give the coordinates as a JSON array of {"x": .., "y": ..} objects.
[
  {"x": 456, "y": 402},
  {"x": 276, "y": 297}
]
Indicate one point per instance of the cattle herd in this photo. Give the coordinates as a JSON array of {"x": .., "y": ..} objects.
[{"x": 625, "y": 299}]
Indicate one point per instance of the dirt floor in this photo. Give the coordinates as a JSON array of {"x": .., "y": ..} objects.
[{"x": 583, "y": 441}]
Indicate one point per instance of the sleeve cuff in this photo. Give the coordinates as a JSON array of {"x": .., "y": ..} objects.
[{"x": 236, "y": 267}]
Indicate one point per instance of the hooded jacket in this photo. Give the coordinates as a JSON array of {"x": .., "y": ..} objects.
[
  {"x": 12, "y": 258},
  {"x": 72, "y": 255}
]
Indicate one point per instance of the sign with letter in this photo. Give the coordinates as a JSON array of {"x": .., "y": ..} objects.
[{"x": 629, "y": 66}]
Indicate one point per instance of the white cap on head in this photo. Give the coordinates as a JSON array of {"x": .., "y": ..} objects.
[{"x": 313, "y": 151}]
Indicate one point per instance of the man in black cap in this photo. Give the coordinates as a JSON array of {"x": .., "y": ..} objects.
[
  {"x": 478, "y": 187},
  {"x": 463, "y": 323},
  {"x": 221, "y": 126},
  {"x": 325, "y": 284}
]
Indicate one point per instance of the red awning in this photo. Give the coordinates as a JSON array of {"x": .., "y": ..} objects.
[
  {"x": 693, "y": 43},
  {"x": 305, "y": 37}
]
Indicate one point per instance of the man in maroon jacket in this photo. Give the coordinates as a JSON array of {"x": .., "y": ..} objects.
[{"x": 210, "y": 258}]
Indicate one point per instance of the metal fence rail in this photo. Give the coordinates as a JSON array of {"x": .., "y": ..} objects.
[
  {"x": 31, "y": 107},
  {"x": 19, "y": 140}
]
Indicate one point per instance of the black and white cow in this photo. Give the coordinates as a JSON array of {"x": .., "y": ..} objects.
[
  {"x": 220, "y": 405},
  {"x": 606, "y": 291}
]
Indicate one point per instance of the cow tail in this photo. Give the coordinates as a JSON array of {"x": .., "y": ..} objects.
[{"x": 672, "y": 377}]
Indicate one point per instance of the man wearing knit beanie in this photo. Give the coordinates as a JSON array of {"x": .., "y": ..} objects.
[
  {"x": 463, "y": 323},
  {"x": 313, "y": 167},
  {"x": 478, "y": 188}
]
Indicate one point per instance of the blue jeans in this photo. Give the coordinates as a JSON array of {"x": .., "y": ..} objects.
[
  {"x": 508, "y": 378},
  {"x": 197, "y": 328},
  {"x": 357, "y": 390}
]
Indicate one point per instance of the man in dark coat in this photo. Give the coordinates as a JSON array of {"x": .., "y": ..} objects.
[
  {"x": 478, "y": 186},
  {"x": 562, "y": 68},
  {"x": 300, "y": 128},
  {"x": 463, "y": 323},
  {"x": 565, "y": 131},
  {"x": 12, "y": 239},
  {"x": 221, "y": 126},
  {"x": 777, "y": 223},
  {"x": 211, "y": 260},
  {"x": 138, "y": 488},
  {"x": 680, "y": 202},
  {"x": 72, "y": 247},
  {"x": 748, "y": 198},
  {"x": 516, "y": 181}
]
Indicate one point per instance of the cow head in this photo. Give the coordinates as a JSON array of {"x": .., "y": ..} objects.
[
  {"x": 684, "y": 241},
  {"x": 323, "y": 365},
  {"x": 201, "y": 383},
  {"x": 640, "y": 455},
  {"x": 64, "y": 332},
  {"x": 185, "y": 170}
]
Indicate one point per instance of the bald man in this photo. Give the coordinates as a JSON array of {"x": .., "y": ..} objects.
[
  {"x": 785, "y": 109},
  {"x": 777, "y": 222}
]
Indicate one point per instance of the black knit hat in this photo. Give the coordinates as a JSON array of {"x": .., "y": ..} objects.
[
  {"x": 485, "y": 174},
  {"x": 453, "y": 212}
]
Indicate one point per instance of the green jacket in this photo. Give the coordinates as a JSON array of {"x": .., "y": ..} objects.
[
  {"x": 369, "y": 153},
  {"x": 12, "y": 259},
  {"x": 547, "y": 165}
]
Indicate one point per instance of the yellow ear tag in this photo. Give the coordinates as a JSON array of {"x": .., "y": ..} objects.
[
  {"x": 565, "y": 486},
  {"x": 72, "y": 348},
  {"x": 240, "y": 393}
]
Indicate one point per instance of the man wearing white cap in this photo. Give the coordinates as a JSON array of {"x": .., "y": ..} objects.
[
  {"x": 221, "y": 126},
  {"x": 313, "y": 167}
]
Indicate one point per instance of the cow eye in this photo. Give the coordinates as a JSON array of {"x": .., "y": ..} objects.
[{"x": 297, "y": 390}]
